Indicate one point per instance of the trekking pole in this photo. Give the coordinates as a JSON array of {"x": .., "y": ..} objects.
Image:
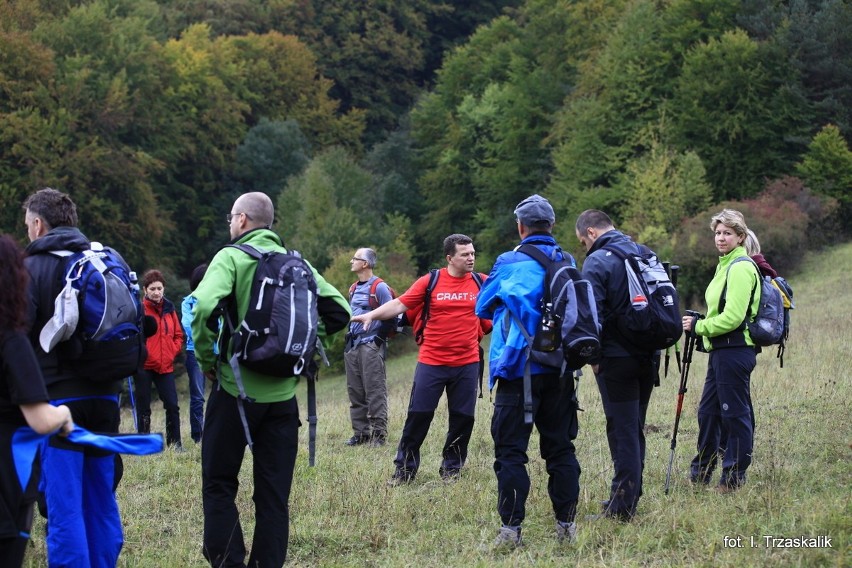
[
  {"x": 312, "y": 375},
  {"x": 688, "y": 347},
  {"x": 312, "y": 420},
  {"x": 672, "y": 269},
  {"x": 132, "y": 402}
]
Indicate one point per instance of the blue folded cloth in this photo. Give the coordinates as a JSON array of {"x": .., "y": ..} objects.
[{"x": 25, "y": 444}]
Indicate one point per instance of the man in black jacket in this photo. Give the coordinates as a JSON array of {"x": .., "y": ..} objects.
[
  {"x": 625, "y": 374},
  {"x": 79, "y": 484}
]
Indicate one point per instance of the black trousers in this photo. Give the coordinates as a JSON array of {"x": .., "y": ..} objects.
[
  {"x": 555, "y": 418},
  {"x": 274, "y": 429},
  {"x": 625, "y": 384},
  {"x": 430, "y": 381},
  {"x": 16, "y": 509},
  {"x": 168, "y": 394}
]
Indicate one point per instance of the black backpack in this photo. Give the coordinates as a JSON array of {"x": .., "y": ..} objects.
[
  {"x": 97, "y": 317},
  {"x": 278, "y": 334},
  {"x": 653, "y": 320}
]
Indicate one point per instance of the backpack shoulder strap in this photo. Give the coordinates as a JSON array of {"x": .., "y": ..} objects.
[
  {"x": 723, "y": 297},
  {"x": 477, "y": 278},
  {"x": 427, "y": 300},
  {"x": 536, "y": 253},
  {"x": 352, "y": 289},
  {"x": 250, "y": 250},
  {"x": 618, "y": 251},
  {"x": 374, "y": 299}
]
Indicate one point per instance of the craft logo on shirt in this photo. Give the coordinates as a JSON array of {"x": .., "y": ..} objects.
[{"x": 452, "y": 296}]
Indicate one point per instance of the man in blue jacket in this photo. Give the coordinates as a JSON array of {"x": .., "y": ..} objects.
[{"x": 515, "y": 288}]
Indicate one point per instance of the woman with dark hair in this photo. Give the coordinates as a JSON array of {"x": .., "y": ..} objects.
[
  {"x": 163, "y": 347},
  {"x": 725, "y": 412},
  {"x": 23, "y": 401}
]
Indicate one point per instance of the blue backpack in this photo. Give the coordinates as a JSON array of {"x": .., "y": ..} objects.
[{"x": 97, "y": 316}]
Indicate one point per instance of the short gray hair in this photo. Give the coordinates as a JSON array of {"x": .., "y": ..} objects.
[
  {"x": 370, "y": 256},
  {"x": 258, "y": 206}
]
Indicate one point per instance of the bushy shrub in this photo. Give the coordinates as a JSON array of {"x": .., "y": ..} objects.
[{"x": 821, "y": 211}]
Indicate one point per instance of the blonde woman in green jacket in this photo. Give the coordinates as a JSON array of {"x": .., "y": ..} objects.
[
  {"x": 725, "y": 413},
  {"x": 271, "y": 414}
]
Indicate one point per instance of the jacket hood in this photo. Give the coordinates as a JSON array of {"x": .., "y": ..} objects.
[
  {"x": 260, "y": 237},
  {"x": 165, "y": 306},
  {"x": 60, "y": 238},
  {"x": 606, "y": 238}
]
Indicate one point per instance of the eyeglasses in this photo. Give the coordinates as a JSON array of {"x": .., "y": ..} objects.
[
  {"x": 361, "y": 259},
  {"x": 229, "y": 216}
]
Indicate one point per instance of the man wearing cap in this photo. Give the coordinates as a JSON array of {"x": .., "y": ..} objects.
[{"x": 515, "y": 288}]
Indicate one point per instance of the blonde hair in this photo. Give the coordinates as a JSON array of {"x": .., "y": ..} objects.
[
  {"x": 730, "y": 218},
  {"x": 751, "y": 244}
]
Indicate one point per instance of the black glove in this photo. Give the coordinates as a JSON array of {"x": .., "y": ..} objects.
[{"x": 695, "y": 317}]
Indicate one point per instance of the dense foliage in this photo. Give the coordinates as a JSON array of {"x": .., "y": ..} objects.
[{"x": 396, "y": 124}]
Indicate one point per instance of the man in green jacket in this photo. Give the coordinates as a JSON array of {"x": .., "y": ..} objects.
[{"x": 271, "y": 414}]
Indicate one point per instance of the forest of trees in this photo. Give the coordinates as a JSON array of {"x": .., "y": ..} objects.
[{"x": 392, "y": 124}]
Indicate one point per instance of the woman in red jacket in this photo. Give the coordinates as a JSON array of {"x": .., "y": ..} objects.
[{"x": 159, "y": 368}]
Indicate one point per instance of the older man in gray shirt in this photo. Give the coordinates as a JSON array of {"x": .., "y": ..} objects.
[{"x": 365, "y": 355}]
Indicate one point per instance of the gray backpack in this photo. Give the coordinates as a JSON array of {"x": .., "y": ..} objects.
[{"x": 768, "y": 325}]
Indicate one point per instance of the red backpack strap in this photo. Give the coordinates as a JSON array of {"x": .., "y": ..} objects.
[
  {"x": 374, "y": 300},
  {"x": 352, "y": 290}
]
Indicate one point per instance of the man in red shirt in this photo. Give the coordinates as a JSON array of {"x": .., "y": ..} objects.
[{"x": 448, "y": 359}]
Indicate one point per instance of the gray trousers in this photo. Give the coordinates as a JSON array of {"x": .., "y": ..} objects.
[{"x": 368, "y": 390}]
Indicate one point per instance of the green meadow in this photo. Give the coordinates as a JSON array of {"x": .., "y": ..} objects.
[{"x": 344, "y": 514}]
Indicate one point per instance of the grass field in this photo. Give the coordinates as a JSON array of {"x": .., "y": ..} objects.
[{"x": 343, "y": 514}]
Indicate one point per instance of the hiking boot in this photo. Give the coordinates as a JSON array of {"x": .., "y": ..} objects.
[
  {"x": 723, "y": 488},
  {"x": 566, "y": 532},
  {"x": 357, "y": 440},
  {"x": 620, "y": 516},
  {"x": 144, "y": 425},
  {"x": 508, "y": 538},
  {"x": 401, "y": 477},
  {"x": 450, "y": 475},
  {"x": 378, "y": 440}
]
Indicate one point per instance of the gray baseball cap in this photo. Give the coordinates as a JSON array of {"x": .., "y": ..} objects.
[{"x": 535, "y": 210}]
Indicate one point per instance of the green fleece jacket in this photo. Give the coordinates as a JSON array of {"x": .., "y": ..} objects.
[
  {"x": 232, "y": 267},
  {"x": 742, "y": 282}
]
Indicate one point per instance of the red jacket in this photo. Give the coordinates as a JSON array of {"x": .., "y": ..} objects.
[{"x": 167, "y": 342}]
